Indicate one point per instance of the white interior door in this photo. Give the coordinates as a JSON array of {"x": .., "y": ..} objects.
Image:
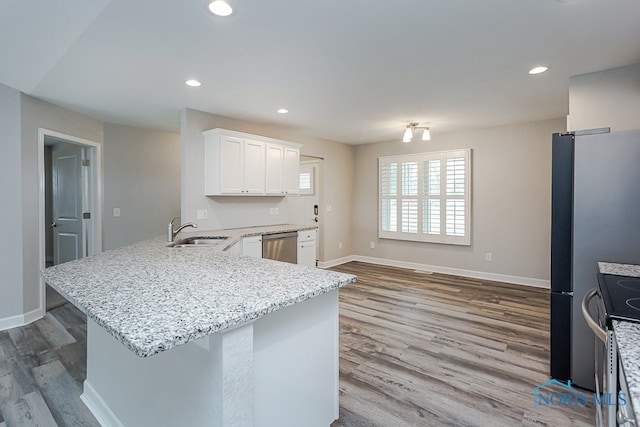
[
  {"x": 305, "y": 208},
  {"x": 68, "y": 241}
]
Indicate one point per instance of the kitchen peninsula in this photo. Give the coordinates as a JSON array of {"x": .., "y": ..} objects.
[{"x": 199, "y": 336}]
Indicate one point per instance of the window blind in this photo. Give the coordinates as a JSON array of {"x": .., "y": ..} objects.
[{"x": 426, "y": 197}]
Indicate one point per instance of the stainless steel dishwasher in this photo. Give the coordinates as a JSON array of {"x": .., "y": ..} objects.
[{"x": 281, "y": 247}]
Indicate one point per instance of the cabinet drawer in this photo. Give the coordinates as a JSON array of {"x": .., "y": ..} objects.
[{"x": 306, "y": 235}]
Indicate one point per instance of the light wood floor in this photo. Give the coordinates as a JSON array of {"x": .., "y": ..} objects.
[
  {"x": 415, "y": 350},
  {"x": 422, "y": 349}
]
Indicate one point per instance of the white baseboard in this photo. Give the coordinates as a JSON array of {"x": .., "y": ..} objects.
[
  {"x": 98, "y": 407},
  {"x": 517, "y": 280},
  {"x": 334, "y": 262},
  {"x": 21, "y": 319}
]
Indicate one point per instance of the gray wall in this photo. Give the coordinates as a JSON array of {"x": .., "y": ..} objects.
[
  {"x": 142, "y": 178},
  {"x": 228, "y": 212},
  {"x": 145, "y": 213},
  {"x": 40, "y": 114},
  {"x": 11, "y": 299},
  {"x": 511, "y": 195},
  {"x": 609, "y": 98}
]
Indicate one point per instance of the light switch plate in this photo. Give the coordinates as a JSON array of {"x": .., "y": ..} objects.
[
  {"x": 203, "y": 214},
  {"x": 329, "y": 208},
  {"x": 116, "y": 212}
]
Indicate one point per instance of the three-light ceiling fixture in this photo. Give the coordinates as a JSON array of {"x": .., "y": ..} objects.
[{"x": 412, "y": 127}]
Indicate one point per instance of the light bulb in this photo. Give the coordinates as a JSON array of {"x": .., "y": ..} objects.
[
  {"x": 408, "y": 134},
  {"x": 426, "y": 136}
]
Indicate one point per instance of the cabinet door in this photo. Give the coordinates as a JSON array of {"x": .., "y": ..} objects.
[
  {"x": 231, "y": 165},
  {"x": 252, "y": 246},
  {"x": 291, "y": 178},
  {"x": 307, "y": 253},
  {"x": 274, "y": 172},
  {"x": 253, "y": 167}
]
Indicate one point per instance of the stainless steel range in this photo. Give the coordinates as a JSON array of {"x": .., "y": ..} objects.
[
  {"x": 618, "y": 298},
  {"x": 621, "y": 297}
]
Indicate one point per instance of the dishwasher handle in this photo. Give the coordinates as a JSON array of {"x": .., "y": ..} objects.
[
  {"x": 591, "y": 323},
  {"x": 279, "y": 236}
]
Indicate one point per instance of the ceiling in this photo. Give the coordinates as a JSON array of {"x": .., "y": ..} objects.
[{"x": 353, "y": 71}]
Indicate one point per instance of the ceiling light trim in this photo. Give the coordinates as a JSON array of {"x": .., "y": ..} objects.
[
  {"x": 220, "y": 8},
  {"x": 538, "y": 70}
]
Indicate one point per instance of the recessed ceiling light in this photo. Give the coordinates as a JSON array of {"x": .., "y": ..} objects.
[
  {"x": 537, "y": 70},
  {"x": 220, "y": 8},
  {"x": 283, "y": 111},
  {"x": 193, "y": 83}
]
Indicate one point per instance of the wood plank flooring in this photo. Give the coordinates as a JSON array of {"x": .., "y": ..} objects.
[
  {"x": 415, "y": 350},
  {"x": 42, "y": 367},
  {"x": 422, "y": 349}
]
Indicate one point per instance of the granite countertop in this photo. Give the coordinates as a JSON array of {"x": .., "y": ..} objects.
[
  {"x": 628, "y": 339},
  {"x": 630, "y": 270},
  {"x": 627, "y": 336},
  {"x": 152, "y": 297}
]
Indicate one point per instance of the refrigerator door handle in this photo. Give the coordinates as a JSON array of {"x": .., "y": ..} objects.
[{"x": 591, "y": 322}]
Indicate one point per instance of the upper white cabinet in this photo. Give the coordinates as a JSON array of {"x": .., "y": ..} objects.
[
  {"x": 249, "y": 165},
  {"x": 291, "y": 172},
  {"x": 274, "y": 170}
]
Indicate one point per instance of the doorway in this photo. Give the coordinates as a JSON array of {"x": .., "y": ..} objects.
[
  {"x": 305, "y": 208},
  {"x": 70, "y": 203}
]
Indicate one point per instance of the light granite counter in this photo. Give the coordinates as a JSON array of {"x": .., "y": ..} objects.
[
  {"x": 152, "y": 297},
  {"x": 627, "y": 336}
]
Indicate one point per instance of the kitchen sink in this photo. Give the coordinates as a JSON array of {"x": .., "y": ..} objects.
[{"x": 198, "y": 242}]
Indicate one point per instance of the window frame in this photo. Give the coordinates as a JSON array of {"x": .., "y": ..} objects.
[{"x": 395, "y": 193}]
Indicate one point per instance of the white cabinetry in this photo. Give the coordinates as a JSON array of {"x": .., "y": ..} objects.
[
  {"x": 282, "y": 170},
  {"x": 248, "y": 165},
  {"x": 274, "y": 170},
  {"x": 234, "y": 166},
  {"x": 252, "y": 246},
  {"x": 307, "y": 248},
  {"x": 291, "y": 171}
]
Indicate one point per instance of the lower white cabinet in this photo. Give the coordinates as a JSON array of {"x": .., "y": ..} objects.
[
  {"x": 307, "y": 248},
  {"x": 251, "y": 246}
]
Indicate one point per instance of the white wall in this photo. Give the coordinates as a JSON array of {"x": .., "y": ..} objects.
[
  {"x": 11, "y": 299},
  {"x": 609, "y": 98},
  {"x": 142, "y": 178},
  {"x": 229, "y": 212},
  {"x": 511, "y": 201}
]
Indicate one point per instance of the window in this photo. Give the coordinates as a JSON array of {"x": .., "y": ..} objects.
[
  {"x": 306, "y": 179},
  {"x": 426, "y": 197}
]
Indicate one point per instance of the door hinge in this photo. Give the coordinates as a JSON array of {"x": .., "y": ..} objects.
[
  {"x": 86, "y": 162},
  {"x": 86, "y": 215}
]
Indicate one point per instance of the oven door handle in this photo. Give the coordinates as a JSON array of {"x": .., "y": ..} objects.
[{"x": 593, "y": 325}]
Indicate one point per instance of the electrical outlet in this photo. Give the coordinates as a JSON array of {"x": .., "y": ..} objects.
[
  {"x": 488, "y": 257},
  {"x": 272, "y": 211},
  {"x": 329, "y": 208},
  {"x": 339, "y": 245},
  {"x": 116, "y": 212},
  {"x": 372, "y": 245},
  {"x": 203, "y": 214},
  {"x": 277, "y": 211}
]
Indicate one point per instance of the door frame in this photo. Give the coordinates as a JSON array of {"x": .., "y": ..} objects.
[
  {"x": 92, "y": 193},
  {"x": 320, "y": 238}
]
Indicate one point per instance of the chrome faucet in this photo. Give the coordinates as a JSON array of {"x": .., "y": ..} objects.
[{"x": 171, "y": 233}]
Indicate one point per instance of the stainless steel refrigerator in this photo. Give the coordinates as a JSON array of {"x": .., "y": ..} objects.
[{"x": 595, "y": 216}]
